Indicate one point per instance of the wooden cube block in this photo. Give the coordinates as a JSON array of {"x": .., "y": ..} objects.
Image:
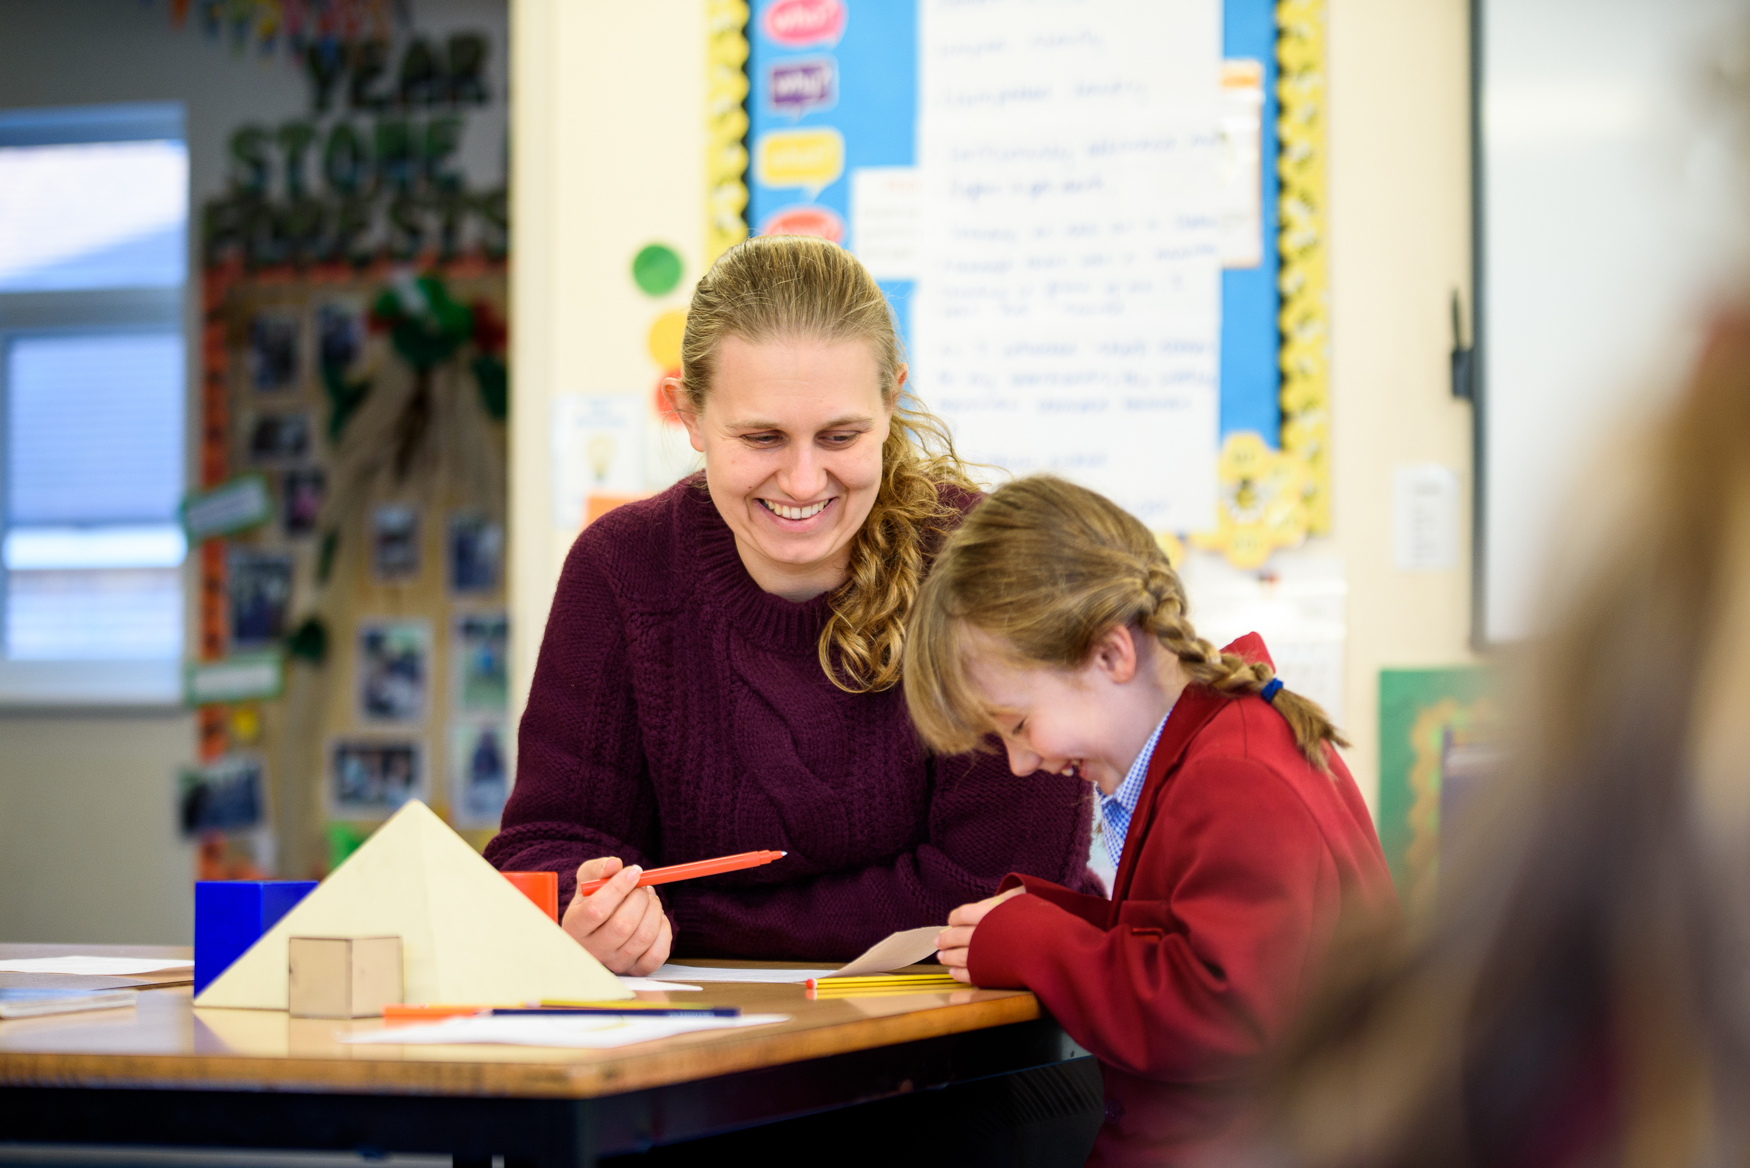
[{"x": 343, "y": 977}]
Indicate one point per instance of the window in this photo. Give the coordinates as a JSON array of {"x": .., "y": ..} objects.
[{"x": 93, "y": 377}]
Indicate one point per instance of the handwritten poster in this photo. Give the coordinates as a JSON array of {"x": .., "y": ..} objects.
[{"x": 1067, "y": 313}]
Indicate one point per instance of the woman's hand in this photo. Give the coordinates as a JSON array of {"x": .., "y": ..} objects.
[
  {"x": 622, "y": 925},
  {"x": 954, "y": 943}
]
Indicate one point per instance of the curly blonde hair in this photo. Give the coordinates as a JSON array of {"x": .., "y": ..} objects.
[
  {"x": 1047, "y": 568},
  {"x": 784, "y": 287}
]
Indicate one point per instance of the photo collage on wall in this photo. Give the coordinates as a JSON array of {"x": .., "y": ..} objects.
[{"x": 404, "y": 574}]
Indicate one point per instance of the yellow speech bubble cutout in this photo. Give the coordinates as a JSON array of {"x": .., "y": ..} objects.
[
  {"x": 665, "y": 339},
  {"x": 810, "y": 159}
]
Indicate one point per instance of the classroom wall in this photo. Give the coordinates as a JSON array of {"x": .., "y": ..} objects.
[
  {"x": 607, "y": 145},
  {"x": 1400, "y": 243}
]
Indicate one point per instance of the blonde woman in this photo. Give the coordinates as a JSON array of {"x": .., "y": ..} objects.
[{"x": 720, "y": 667}]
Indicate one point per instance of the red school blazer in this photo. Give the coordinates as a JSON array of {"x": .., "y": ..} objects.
[{"x": 1240, "y": 860}]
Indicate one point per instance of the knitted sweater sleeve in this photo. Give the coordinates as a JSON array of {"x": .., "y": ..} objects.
[
  {"x": 583, "y": 787},
  {"x": 983, "y": 823}
]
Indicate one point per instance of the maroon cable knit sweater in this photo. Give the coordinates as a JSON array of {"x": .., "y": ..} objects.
[{"x": 679, "y": 712}]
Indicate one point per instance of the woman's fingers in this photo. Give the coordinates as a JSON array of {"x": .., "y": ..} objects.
[
  {"x": 655, "y": 956},
  {"x": 587, "y": 916},
  {"x": 598, "y": 868},
  {"x": 644, "y": 932}
]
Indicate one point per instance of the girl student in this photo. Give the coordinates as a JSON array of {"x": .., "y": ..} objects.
[{"x": 1053, "y": 620}]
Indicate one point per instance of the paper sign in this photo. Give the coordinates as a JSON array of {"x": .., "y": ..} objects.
[
  {"x": 250, "y": 677},
  {"x": 810, "y": 159},
  {"x": 795, "y": 87},
  {"x": 1068, "y": 307},
  {"x": 242, "y": 503},
  {"x": 885, "y": 220},
  {"x": 805, "y": 219},
  {"x": 598, "y": 449},
  {"x": 1425, "y": 527},
  {"x": 801, "y": 24},
  {"x": 1242, "y": 178}
]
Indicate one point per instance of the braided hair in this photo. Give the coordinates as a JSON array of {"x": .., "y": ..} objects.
[{"x": 1047, "y": 568}]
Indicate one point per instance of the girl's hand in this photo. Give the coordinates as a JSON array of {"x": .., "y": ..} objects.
[
  {"x": 954, "y": 943},
  {"x": 623, "y": 926}
]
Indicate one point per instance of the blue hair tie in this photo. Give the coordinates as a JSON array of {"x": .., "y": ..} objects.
[{"x": 1269, "y": 692}]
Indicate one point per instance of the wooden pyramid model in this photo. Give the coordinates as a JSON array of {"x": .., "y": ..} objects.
[{"x": 467, "y": 934}]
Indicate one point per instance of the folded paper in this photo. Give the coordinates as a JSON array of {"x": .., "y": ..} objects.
[{"x": 467, "y": 934}]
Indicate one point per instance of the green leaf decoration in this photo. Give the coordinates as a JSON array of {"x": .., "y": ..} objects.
[
  {"x": 309, "y": 641},
  {"x": 425, "y": 325},
  {"x": 344, "y": 398},
  {"x": 325, "y": 555},
  {"x": 494, "y": 381}
]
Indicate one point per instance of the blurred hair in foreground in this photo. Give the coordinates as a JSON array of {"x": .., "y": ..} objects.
[{"x": 1581, "y": 993}]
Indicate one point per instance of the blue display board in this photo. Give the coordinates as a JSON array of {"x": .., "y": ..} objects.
[
  {"x": 838, "y": 65},
  {"x": 1251, "y": 379},
  {"x": 832, "y": 86}
]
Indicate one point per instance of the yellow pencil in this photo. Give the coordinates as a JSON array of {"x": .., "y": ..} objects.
[{"x": 913, "y": 980}]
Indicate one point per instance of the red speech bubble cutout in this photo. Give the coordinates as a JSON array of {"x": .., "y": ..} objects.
[
  {"x": 821, "y": 222},
  {"x": 798, "y": 24}
]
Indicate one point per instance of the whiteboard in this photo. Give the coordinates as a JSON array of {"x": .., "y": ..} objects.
[{"x": 1606, "y": 175}]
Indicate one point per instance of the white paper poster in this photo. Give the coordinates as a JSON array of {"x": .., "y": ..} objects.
[
  {"x": 1068, "y": 308},
  {"x": 598, "y": 449}
]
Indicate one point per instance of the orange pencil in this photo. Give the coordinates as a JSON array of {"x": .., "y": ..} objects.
[
  {"x": 688, "y": 871},
  {"x": 393, "y": 1014}
]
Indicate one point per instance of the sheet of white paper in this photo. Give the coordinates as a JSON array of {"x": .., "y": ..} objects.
[
  {"x": 96, "y": 966},
  {"x": 650, "y": 983},
  {"x": 895, "y": 952},
  {"x": 1067, "y": 316},
  {"x": 596, "y": 1031},
  {"x": 712, "y": 973}
]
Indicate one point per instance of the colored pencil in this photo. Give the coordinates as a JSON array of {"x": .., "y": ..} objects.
[
  {"x": 640, "y": 1011},
  {"x": 429, "y": 1013},
  {"x": 880, "y": 979},
  {"x": 695, "y": 869}
]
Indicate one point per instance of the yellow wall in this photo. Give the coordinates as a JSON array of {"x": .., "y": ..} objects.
[
  {"x": 1399, "y": 141},
  {"x": 608, "y": 115}
]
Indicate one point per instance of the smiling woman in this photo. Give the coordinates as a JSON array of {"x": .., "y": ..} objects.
[{"x": 720, "y": 670}]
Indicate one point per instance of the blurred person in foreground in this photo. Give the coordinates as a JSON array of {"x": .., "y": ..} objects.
[{"x": 1581, "y": 993}]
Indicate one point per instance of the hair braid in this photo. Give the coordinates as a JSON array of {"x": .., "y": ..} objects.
[{"x": 1049, "y": 568}]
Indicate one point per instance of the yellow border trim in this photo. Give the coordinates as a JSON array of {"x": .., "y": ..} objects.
[
  {"x": 1304, "y": 279},
  {"x": 725, "y": 126}
]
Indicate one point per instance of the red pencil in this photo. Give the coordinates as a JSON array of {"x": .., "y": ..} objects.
[{"x": 689, "y": 871}]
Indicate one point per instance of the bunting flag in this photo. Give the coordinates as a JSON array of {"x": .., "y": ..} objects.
[{"x": 265, "y": 25}]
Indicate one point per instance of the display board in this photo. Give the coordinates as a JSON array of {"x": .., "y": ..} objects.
[
  {"x": 1105, "y": 304},
  {"x": 1606, "y": 217}
]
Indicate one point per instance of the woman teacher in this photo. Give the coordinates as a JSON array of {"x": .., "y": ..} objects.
[{"x": 720, "y": 666}]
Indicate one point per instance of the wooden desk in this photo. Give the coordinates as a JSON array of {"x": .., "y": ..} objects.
[{"x": 164, "y": 1073}]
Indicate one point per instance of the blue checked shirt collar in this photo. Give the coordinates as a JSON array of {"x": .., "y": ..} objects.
[{"x": 1116, "y": 809}]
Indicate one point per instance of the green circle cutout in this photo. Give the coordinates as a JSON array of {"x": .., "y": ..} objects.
[{"x": 657, "y": 269}]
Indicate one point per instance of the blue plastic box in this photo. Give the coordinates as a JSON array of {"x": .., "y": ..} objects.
[{"x": 231, "y": 915}]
